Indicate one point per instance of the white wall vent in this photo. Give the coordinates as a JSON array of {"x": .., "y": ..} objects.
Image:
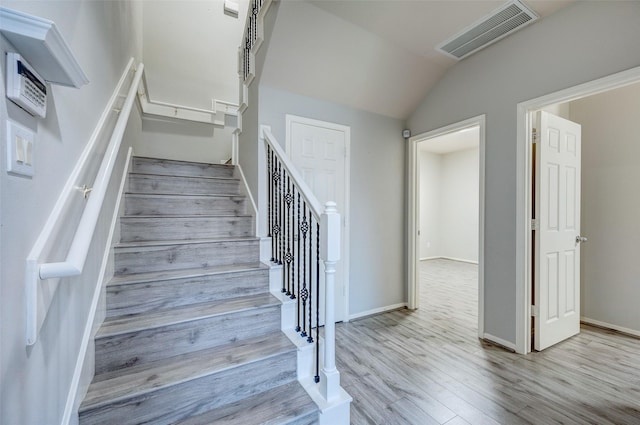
[{"x": 511, "y": 17}]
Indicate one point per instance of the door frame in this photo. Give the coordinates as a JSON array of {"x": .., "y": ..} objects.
[
  {"x": 413, "y": 212},
  {"x": 291, "y": 119},
  {"x": 524, "y": 193}
]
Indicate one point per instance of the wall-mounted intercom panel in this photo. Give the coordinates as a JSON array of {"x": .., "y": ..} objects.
[{"x": 25, "y": 87}]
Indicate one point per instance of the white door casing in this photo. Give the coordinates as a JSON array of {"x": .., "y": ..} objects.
[
  {"x": 413, "y": 214},
  {"x": 319, "y": 150},
  {"x": 557, "y": 252}
]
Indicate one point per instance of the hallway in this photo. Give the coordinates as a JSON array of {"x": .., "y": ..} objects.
[{"x": 428, "y": 366}]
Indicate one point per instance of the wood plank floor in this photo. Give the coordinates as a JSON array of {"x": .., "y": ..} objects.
[{"x": 428, "y": 366}]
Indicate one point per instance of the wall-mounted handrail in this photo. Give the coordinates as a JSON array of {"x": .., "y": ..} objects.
[
  {"x": 39, "y": 289},
  {"x": 77, "y": 255}
]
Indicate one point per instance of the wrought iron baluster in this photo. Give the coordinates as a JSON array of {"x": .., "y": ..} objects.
[
  {"x": 304, "y": 293},
  {"x": 310, "y": 335},
  {"x": 269, "y": 184},
  {"x": 317, "y": 377},
  {"x": 276, "y": 207},
  {"x": 281, "y": 218},
  {"x": 288, "y": 255}
]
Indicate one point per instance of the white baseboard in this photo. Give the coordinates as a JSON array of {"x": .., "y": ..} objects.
[
  {"x": 441, "y": 257},
  {"x": 377, "y": 311},
  {"x": 499, "y": 341},
  {"x": 617, "y": 328},
  {"x": 462, "y": 260}
]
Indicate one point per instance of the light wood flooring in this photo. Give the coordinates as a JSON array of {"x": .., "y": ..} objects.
[{"x": 429, "y": 367}]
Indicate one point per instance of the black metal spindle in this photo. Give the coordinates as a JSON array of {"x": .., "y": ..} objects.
[
  {"x": 281, "y": 216},
  {"x": 271, "y": 207},
  {"x": 289, "y": 255},
  {"x": 304, "y": 294},
  {"x": 276, "y": 209},
  {"x": 310, "y": 335},
  {"x": 269, "y": 183},
  {"x": 317, "y": 377}
]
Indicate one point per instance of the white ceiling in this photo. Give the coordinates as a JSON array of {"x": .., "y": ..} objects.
[
  {"x": 375, "y": 55},
  {"x": 457, "y": 141}
]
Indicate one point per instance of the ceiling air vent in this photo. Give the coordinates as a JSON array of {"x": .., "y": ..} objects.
[{"x": 500, "y": 23}]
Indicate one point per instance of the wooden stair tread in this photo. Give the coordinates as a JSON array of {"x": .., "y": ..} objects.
[
  {"x": 182, "y": 161},
  {"x": 115, "y": 386},
  {"x": 279, "y": 405},
  {"x": 184, "y": 242},
  {"x": 180, "y": 176},
  {"x": 189, "y": 216},
  {"x": 185, "y": 195},
  {"x": 136, "y": 322},
  {"x": 184, "y": 273}
]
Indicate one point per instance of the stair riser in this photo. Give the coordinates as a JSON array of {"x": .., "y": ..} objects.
[
  {"x": 142, "y": 183},
  {"x": 150, "y": 296},
  {"x": 184, "y": 228},
  {"x": 186, "y": 205},
  {"x": 170, "y": 405},
  {"x": 177, "y": 168},
  {"x": 172, "y": 257},
  {"x": 132, "y": 348}
]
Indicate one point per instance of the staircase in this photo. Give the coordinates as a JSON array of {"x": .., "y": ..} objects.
[{"x": 192, "y": 334}]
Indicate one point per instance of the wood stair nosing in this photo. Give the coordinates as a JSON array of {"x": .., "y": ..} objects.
[
  {"x": 144, "y": 165},
  {"x": 126, "y": 344},
  {"x": 288, "y": 404},
  {"x": 131, "y": 279},
  {"x": 170, "y": 204},
  {"x": 134, "y": 296},
  {"x": 149, "y": 256},
  {"x": 147, "y": 321},
  {"x": 144, "y": 228},
  {"x": 182, "y": 398},
  {"x": 188, "y": 185},
  {"x": 180, "y": 226}
]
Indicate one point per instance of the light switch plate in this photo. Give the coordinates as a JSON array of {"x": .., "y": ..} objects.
[{"x": 20, "y": 147}]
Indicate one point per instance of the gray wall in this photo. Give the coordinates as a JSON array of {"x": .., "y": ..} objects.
[
  {"x": 610, "y": 206},
  {"x": 36, "y": 380},
  {"x": 185, "y": 140},
  {"x": 449, "y": 186},
  {"x": 580, "y": 43},
  {"x": 377, "y": 193}
]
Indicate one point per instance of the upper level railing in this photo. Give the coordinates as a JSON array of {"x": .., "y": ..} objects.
[
  {"x": 305, "y": 241},
  {"x": 74, "y": 262},
  {"x": 251, "y": 37}
]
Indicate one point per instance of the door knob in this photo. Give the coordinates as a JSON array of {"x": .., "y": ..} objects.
[{"x": 580, "y": 239}]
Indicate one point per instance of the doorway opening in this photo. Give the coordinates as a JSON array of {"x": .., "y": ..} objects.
[
  {"x": 446, "y": 213},
  {"x": 578, "y": 104}
]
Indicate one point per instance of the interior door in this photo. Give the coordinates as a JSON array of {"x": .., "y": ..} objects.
[
  {"x": 318, "y": 152},
  {"x": 557, "y": 235}
]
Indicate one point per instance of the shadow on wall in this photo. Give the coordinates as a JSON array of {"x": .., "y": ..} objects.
[{"x": 185, "y": 140}]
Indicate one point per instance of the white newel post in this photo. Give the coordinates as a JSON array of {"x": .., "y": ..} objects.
[{"x": 330, "y": 254}]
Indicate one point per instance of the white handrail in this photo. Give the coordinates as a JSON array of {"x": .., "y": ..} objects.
[
  {"x": 314, "y": 205},
  {"x": 79, "y": 249}
]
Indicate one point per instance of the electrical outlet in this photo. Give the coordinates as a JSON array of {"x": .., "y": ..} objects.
[{"x": 20, "y": 149}]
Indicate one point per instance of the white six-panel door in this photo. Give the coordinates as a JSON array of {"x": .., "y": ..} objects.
[
  {"x": 318, "y": 150},
  {"x": 557, "y": 253}
]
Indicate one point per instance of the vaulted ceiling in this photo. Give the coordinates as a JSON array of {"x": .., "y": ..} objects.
[{"x": 376, "y": 55}]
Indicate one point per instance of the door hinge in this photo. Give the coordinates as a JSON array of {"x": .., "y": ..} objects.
[
  {"x": 534, "y": 311},
  {"x": 534, "y": 224},
  {"x": 534, "y": 136}
]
